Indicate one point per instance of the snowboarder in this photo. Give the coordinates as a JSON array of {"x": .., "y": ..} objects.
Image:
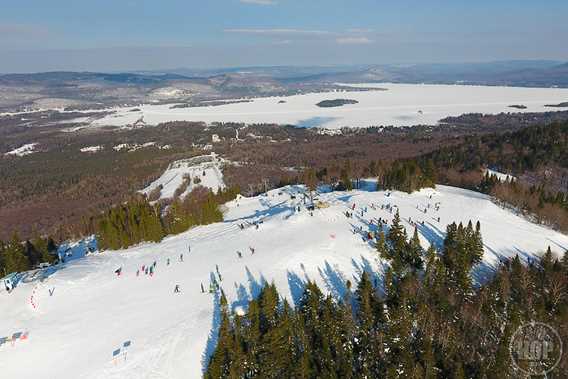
[{"x": 176, "y": 288}]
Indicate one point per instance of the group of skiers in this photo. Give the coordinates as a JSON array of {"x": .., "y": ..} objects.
[
  {"x": 371, "y": 234},
  {"x": 151, "y": 269}
]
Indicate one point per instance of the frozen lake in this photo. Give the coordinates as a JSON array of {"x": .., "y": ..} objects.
[{"x": 399, "y": 105}]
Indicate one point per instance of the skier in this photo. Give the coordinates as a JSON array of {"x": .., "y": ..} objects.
[
  {"x": 176, "y": 288},
  {"x": 181, "y": 257},
  {"x": 151, "y": 270},
  {"x": 8, "y": 285},
  {"x": 251, "y": 250},
  {"x": 146, "y": 271},
  {"x": 137, "y": 273},
  {"x": 202, "y": 289},
  {"x": 51, "y": 291},
  {"x": 438, "y": 218},
  {"x": 188, "y": 248},
  {"x": 168, "y": 262},
  {"x": 118, "y": 271},
  {"x": 239, "y": 254}
]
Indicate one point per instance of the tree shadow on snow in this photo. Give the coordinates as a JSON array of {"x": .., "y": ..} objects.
[
  {"x": 334, "y": 280},
  {"x": 258, "y": 215},
  {"x": 297, "y": 286},
  {"x": 255, "y": 286}
]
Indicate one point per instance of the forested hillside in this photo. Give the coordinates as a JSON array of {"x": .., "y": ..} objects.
[{"x": 429, "y": 321}]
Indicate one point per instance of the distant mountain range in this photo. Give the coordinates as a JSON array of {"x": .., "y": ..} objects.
[
  {"x": 513, "y": 73},
  {"x": 87, "y": 89}
]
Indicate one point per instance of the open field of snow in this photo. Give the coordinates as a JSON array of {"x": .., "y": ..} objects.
[
  {"x": 501, "y": 176},
  {"x": 23, "y": 150},
  {"x": 93, "y": 312},
  {"x": 91, "y": 149},
  {"x": 207, "y": 168},
  {"x": 401, "y": 104}
]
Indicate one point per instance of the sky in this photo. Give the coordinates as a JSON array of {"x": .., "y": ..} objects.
[{"x": 118, "y": 35}]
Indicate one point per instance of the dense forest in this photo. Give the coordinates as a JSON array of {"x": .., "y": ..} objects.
[
  {"x": 138, "y": 220},
  {"x": 427, "y": 319}
]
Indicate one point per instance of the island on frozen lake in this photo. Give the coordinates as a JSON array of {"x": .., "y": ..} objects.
[{"x": 336, "y": 103}]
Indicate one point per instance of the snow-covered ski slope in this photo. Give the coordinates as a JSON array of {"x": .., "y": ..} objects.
[
  {"x": 205, "y": 167},
  {"x": 92, "y": 312}
]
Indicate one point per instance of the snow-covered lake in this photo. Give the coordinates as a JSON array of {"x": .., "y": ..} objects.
[{"x": 399, "y": 105}]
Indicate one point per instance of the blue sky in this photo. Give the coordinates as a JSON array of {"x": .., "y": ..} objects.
[{"x": 38, "y": 35}]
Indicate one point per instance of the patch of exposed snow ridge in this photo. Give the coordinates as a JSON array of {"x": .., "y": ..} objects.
[
  {"x": 91, "y": 149},
  {"x": 23, "y": 150},
  {"x": 203, "y": 170}
]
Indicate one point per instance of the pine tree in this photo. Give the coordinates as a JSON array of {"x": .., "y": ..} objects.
[
  {"x": 220, "y": 364},
  {"x": 415, "y": 252},
  {"x": 14, "y": 259}
]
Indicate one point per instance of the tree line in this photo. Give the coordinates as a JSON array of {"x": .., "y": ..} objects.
[
  {"x": 427, "y": 320},
  {"x": 17, "y": 255},
  {"x": 138, "y": 220}
]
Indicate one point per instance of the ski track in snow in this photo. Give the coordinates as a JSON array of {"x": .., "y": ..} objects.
[{"x": 72, "y": 334}]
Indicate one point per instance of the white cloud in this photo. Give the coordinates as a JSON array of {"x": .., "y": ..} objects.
[
  {"x": 360, "y": 30},
  {"x": 281, "y": 32},
  {"x": 259, "y": 2},
  {"x": 353, "y": 41}
]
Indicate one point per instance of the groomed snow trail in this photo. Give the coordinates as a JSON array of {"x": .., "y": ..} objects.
[{"x": 92, "y": 312}]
